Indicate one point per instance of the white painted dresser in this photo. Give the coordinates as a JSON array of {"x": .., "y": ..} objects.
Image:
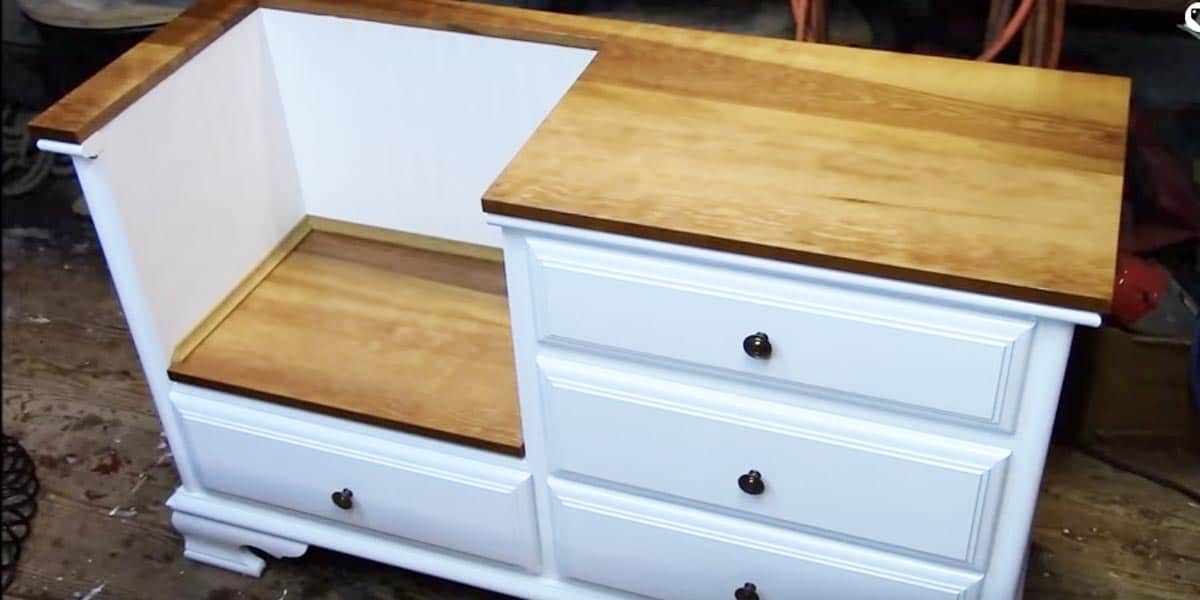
[{"x": 763, "y": 348}]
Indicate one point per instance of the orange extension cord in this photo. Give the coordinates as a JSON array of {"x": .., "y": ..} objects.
[
  {"x": 801, "y": 10},
  {"x": 1010, "y": 31}
]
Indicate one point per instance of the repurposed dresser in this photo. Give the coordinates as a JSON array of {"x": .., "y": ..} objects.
[{"x": 737, "y": 318}]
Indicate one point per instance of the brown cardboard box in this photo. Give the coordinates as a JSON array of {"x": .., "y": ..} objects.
[{"x": 1121, "y": 385}]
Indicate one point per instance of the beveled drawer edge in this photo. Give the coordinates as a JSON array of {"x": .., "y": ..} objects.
[
  {"x": 1011, "y": 335},
  {"x": 988, "y": 463},
  {"x": 350, "y": 445},
  {"x": 608, "y": 503}
]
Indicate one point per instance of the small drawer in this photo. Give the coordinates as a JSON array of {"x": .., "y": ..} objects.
[
  {"x": 868, "y": 347},
  {"x": 879, "y": 484},
  {"x": 414, "y": 493},
  {"x": 666, "y": 551}
]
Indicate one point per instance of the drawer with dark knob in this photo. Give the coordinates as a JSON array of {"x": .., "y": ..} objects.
[
  {"x": 937, "y": 361},
  {"x": 663, "y": 550},
  {"x": 798, "y": 468}
]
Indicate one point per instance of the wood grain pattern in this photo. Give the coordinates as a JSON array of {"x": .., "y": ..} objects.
[
  {"x": 402, "y": 238},
  {"x": 981, "y": 177},
  {"x": 102, "y": 97},
  {"x": 397, "y": 336}
]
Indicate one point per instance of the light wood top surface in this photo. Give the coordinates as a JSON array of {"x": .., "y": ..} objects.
[
  {"x": 991, "y": 178},
  {"x": 368, "y": 330}
]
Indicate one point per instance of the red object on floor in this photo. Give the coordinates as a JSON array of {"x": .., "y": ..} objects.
[{"x": 1140, "y": 288}]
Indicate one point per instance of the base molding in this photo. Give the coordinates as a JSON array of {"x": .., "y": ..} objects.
[{"x": 227, "y": 546}]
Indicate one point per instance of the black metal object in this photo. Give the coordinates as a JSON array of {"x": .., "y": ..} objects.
[
  {"x": 746, "y": 592},
  {"x": 752, "y": 483},
  {"x": 344, "y": 499},
  {"x": 19, "y": 500},
  {"x": 757, "y": 345}
]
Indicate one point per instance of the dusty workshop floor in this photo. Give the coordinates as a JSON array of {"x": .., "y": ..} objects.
[{"x": 73, "y": 394}]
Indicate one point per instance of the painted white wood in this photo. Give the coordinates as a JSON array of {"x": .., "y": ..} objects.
[
  {"x": 874, "y": 482},
  {"x": 1043, "y": 382},
  {"x": 58, "y": 147},
  {"x": 913, "y": 356},
  {"x": 533, "y": 426},
  {"x": 408, "y": 492},
  {"x": 1048, "y": 344},
  {"x": 256, "y": 518},
  {"x": 667, "y": 551},
  {"x": 405, "y": 128},
  {"x": 273, "y": 412},
  {"x": 183, "y": 220},
  {"x": 202, "y": 206},
  {"x": 891, "y": 288},
  {"x": 222, "y": 545}
]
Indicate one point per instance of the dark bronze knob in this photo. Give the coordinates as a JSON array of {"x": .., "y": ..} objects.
[
  {"x": 757, "y": 345},
  {"x": 752, "y": 483},
  {"x": 344, "y": 499},
  {"x": 746, "y": 592}
]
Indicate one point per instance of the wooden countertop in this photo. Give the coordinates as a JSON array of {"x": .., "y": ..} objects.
[{"x": 990, "y": 178}]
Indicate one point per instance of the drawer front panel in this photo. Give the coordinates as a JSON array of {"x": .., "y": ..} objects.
[
  {"x": 882, "y": 484},
  {"x": 906, "y": 354},
  {"x": 666, "y": 551},
  {"x": 408, "y": 492}
]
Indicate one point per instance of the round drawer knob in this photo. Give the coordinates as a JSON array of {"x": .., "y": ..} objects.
[
  {"x": 752, "y": 483},
  {"x": 344, "y": 499},
  {"x": 746, "y": 592},
  {"x": 757, "y": 345}
]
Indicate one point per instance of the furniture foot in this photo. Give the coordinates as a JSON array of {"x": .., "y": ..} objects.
[{"x": 223, "y": 545}]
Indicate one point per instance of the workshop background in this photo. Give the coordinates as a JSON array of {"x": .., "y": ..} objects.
[{"x": 1119, "y": 512}]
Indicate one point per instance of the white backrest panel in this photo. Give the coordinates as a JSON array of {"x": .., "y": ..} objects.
[
  {"x": 405, "y": 128},
  {"x": 200, "y": 179}
]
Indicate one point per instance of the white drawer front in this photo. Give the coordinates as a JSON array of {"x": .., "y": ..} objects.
[
  {"x": 854, "y": 478},
  {"x": 412, "y": 493},
  {"x": 666, "y": 551},
  {"x": 905, "y": 354}
]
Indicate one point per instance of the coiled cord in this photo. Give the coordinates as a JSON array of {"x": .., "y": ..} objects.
[{"x": 19, "y": 503}]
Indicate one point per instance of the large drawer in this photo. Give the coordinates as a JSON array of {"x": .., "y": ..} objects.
[
  {"x": 866, "y": 347},
  {"x": 666, "y": 551},
  {"x": 881, "y": 484},
  {"x": 409, "y": 492}
]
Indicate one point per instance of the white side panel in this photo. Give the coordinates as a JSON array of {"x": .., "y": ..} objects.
[
  {"x": 405, "y": 128},
  {"x": 874, "y": 482},
  {"x": 667, "y": 551},
  {"x": 201, "y": 179}
]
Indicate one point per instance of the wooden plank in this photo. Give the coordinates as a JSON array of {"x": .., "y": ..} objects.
[
  {"x": 402, "y": 337},
  {"x": 102, "y": 97},
  {"x": 403, "y": 238},
  {"x": 243, "y": 289},
  {"x": 981, "y": 177}
]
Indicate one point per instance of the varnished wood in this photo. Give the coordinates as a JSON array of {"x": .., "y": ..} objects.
[
  {"x": 243, "y": 289},
  {"x": 397, "y": 336},
  {"x": 403, "y": 238},
  {"x": 981, "y": 177},
  {"x": 98, "y": 100},
  {"x": 74, "y": 395}
]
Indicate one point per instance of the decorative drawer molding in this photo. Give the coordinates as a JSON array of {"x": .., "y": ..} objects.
[
  {"x": 412, "y": 493},
  {"x": 665, "y": 551},
  {"x": 872, "y": 483},
  {"x": 942, "y": 362}
]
